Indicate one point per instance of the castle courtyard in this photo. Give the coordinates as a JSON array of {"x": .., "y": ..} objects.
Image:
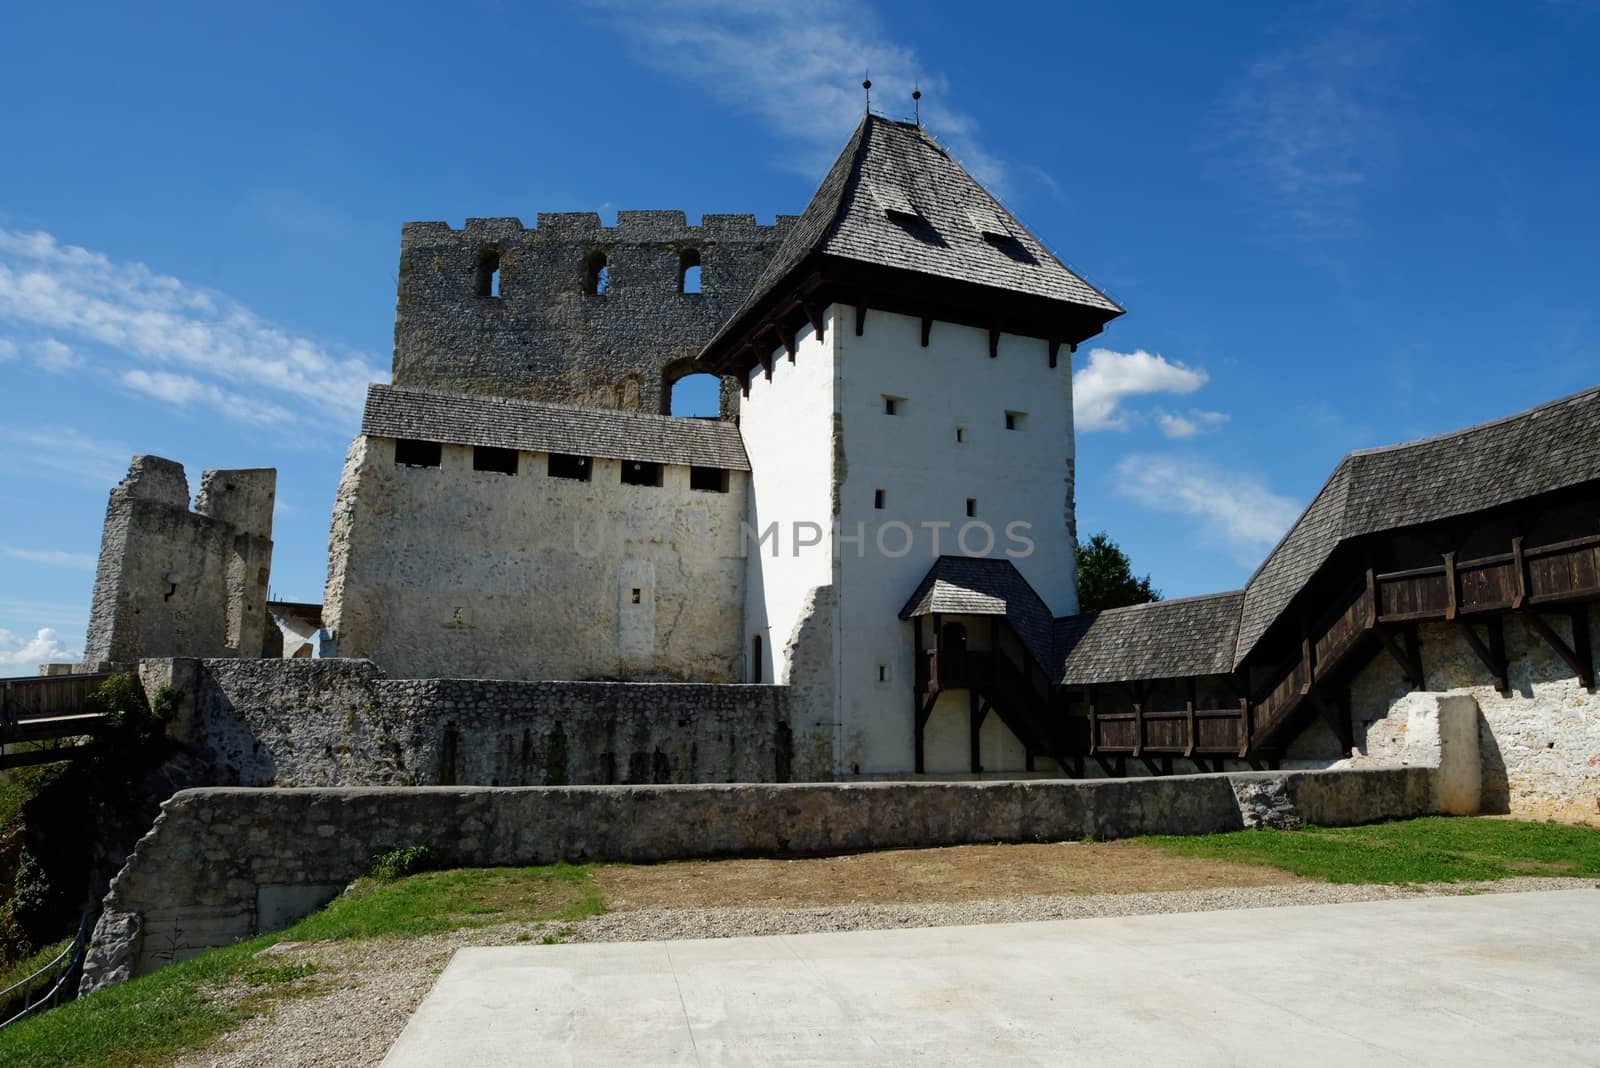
[{"x": 1491, "y": 979}]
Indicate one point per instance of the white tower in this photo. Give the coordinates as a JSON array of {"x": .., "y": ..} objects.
[{"x": 907, "y": 412}]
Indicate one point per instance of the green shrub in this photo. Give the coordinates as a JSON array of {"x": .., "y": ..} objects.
[{"x": 398, "y": 863}]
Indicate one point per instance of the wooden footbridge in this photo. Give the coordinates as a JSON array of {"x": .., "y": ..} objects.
[{"x": 45, "y": 718}]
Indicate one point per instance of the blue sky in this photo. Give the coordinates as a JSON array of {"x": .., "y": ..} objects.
[{"x": 1333, "y": 225}]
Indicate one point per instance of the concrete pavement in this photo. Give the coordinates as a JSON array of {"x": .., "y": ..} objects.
[{"x": 1490, "y": 979}]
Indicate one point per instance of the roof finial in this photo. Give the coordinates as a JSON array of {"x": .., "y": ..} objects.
[
  {"x": 916, "y": 102},
  {"x": 866, "y": 83}
]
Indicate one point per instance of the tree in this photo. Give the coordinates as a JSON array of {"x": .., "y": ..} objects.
[{"x": 1105, "y": 577}]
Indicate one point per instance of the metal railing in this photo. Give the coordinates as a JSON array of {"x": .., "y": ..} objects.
[{"x": 58, "y": 975}]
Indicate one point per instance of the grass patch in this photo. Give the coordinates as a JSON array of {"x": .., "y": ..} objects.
[
  {"x": 278, "y": 974},
  {"x": 1434, "y": 849},
  {"x": 17, "y": 971},
  {"x": 148, "y": 1020}
]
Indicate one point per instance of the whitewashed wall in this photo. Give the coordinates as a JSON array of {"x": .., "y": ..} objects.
[
  {"x": 927, "y": 476},
  {"x": 459, "y": 573},
  {"x": 788, "y": 429}
]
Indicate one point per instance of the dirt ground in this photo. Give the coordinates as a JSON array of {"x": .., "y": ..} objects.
[{"x": 958, "y": 873}]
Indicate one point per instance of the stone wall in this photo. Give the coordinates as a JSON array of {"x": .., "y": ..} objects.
[
  {"x": 1540, "y": 740},
  {"x": 447, "y": 571},
  {"x": 342, "y": 723},
  {"x": 547, "y": 335},
  {"x": 224, "y": 864},
  {"x": 171, "y": 582}
]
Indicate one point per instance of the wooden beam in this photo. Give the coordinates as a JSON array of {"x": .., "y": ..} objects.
[
  {"x": 1094, "y": 725},
  {"x": 1106, "y": 766},
  {"x": 1583, "y": 646},
  {"x": 1519, "y": 567},
  {"x": 1246, "y": 742},
  {"x": 1155, "y": 769},
  {"x": 766, "y": 363},
  {"x": 1403, "y": 655},
  {"x": 818, "y": 321},
  {"x": 1581, "y": 663},
  {"x": 927, "y": 328},
  {"x": 861, "y": 319},
  {"x": 1495, "y": 662},
  {"x": 974, "y": 723},
  {"x": 1451, "y": 610},
  {"x": 790, "y": 344},
  {"x": 994, "y": 342},
  {"x": 1189, "y": 703},
  {"x": 1055, "y": 350},
  {"x": 1372, "y": 599},
  {"x": 1200, "y": 762}
]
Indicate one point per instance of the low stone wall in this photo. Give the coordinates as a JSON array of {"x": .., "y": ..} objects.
[
  {"x": 223, "y": 864},
  {"x": 343, "y": 723}
]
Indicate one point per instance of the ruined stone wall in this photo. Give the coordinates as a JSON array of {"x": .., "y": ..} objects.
[
  {"x": 342, "y": 723},
  {"x": 1540, "y": 741},
  {"x": 171, "y": 582},
  {"x": 547, "y": 335},
  {"x": 449, "y": 571},
  {"x": 224, "y": 864}
]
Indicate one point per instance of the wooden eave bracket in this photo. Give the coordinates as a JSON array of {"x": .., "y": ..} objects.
[
  {"x": 1580, "y": 654},
  {"x": 1492, "y": 652},
  {"x": 1409, "y": 657}
]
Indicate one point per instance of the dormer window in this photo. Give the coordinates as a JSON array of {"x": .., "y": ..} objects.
[
  {"x": 988, "y": 222},
  {"x": 597, "y": 276},
  {"x": 893, "y": 200}
]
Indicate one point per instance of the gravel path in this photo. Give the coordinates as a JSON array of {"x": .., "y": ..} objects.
[{"x": 354, "y": 1008}]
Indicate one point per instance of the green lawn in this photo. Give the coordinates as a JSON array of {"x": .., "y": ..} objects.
[
  {"x": 146, "y": 1021},
  {"x": 1434, "y": 849}
]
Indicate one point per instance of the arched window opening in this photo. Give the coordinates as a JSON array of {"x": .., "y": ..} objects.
[
  {"x": 689, "y": 271},
  {"x": 697, "y": 396},
  {"x": 486, "y": 277},
  {"x": 598, "y": 275}
]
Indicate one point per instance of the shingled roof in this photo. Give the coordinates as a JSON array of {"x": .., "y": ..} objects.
[
  {"x": 978, "y": 586},
  {"x": 1547, "y": 448},
  {"x": 533, "y": 427},
  {"x": 895, "y": 199},
  {"x": 1163, "y": 640}
]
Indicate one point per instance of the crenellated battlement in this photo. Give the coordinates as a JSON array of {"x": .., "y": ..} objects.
[{"x": 571, "y": 310}]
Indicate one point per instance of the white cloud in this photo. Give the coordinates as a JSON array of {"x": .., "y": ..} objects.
[
  {"x": 1304, "y": 129},
  {"x": 1234, "y": 508},
  {"x": 8, "y": 349},
  {"x": 22, "y": 656},
  {"x": 183, "y": 390},
  {"x": 51, "y": 557},
  {"x": 62, "y": 452},
  {"x": 798, "y": 67},
  {"x": 224, "y": 351},
  {"x": 55, "y": 357},
  {"x": 1196, "y": 421},
  {"x": 1109, "y": 378}
]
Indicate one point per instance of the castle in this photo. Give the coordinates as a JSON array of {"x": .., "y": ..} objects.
[{"x": 878, "y": 528}]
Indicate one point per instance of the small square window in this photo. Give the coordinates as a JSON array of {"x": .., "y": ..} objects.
[
  {"x": 411, "y": 453},
  {"x": 709, "y": 479},
  {"x": 1014, "y": 420},
  {"x": 640, "y": 473},
  {"x": 573, "y": 467},
  {"x": 961, "y": 434},
  {"x": 893, "y": 405},
  {"x": 883, "y": 672},
  {"x": 877, "y": 499},
  {"x": 638, "y": 595},
  {"x": 501, "y": 461},
  {"x": 972, "y": 507}
]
